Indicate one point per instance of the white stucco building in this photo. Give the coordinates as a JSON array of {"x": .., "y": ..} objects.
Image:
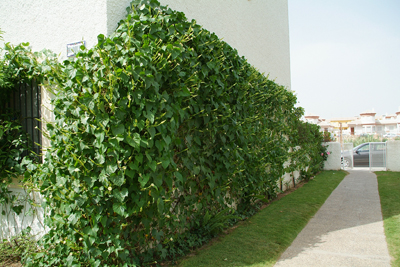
[
  {"x": 369, "y": 123},
  {"x": 366, "y": 123},
  {"x": 258, "y": 29}
]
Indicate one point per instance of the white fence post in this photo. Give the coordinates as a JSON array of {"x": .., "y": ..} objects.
[
  {"x": 334, "y": 158},
  {"x": 393, "y": 156}
]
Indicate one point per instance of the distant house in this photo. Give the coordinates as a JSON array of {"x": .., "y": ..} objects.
[
  {"x": 366, "y": 123},
  {"x": 343, "y": 123}
]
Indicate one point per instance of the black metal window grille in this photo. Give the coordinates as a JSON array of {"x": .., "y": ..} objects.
[{"x": 26, "y": 101}]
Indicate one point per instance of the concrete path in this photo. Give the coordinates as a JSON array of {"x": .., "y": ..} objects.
[{"x": 346, "y": 231}]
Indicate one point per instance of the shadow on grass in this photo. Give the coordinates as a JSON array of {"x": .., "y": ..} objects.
[
  {"x": 264, "y": 237},
  {"x": 389, "y": 191}
]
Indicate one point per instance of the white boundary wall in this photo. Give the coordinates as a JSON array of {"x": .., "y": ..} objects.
[
  {"x": 287, "y": 180},
  {"x": 393, "y": 156},
  {"x": 12, "y": 224},
  {"x": 334, "y": 159},
  {"x": 258, "y": 29}
]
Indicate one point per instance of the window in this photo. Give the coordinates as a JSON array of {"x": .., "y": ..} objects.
[
  {"x": 25, "y": 100},
  {"x": 364, "y": 148}
]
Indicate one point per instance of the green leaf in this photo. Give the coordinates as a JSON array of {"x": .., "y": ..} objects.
[
  {"x": 103, "y": 177},
  {"x": 103, "y": 119},
  {"x": 160, "y": 206},
  {"x": 121, "y": 195},
  {"x": 150, "y": 117},
  {"x": 119, "y": 208},
  {"x": 139, "y": 158},
  {"x": 152, "y": 131},
  {"x": 157, "y": 234},
  {"x": 197, "y": 140},
  {"x": 158, "y": 180},
  {"x": 179, "y": 176},
  {"x": 74, "y": 217},
  {"x": 133, "y": 141},
  {"x": 117, "y": 130},
  {"x": 118, "y": 180},
  {"x": 149, "y": 80},
  {"x": 185, "y": 92},
  {"x": 175, "y": 52},
  {"x": 141, "y": 124},
  {"x": 131, "y": 173},
  {"x": 165, "y": 163},
  {"x": 160, "y": 145},
  {"x": 104, "y": 221},
  {"x": 134, "y": 165},
  {"x": 111, "y": 168},
  {"x": 61, "y": 181},
  {"x": 167, "y": 140},
  {"x": 144, "y": 143},
  {"x": 100, "y": 158},
  {"x": 79, "y": 201},
  {"x": 143, "y": 179},
  {"x": 100, "y": 137},
  {"x": 153, "y": 165},
  {"x": 124, "y": 77},
  {"x": 69, "y": 260},
  {"x": 89, "y": 231}
]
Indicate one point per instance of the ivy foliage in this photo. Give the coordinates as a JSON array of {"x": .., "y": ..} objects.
[
  {"x": 310, "y": 163},
  {"x": 159, "y": 130},
  {"x": 13, "y": 148},
  {"x": 18, "y": 64}
]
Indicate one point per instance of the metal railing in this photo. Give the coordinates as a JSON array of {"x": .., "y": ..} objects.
[
  {"x": 25, "y": 102},
  {"x": 377, "y": 155},
  {"x": 347, "y": 156}
]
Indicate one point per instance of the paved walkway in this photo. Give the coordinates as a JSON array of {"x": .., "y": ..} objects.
[{"x": 346, "y": 231}]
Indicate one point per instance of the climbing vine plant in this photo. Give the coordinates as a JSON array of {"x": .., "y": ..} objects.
[
  {"x": 18, "y": 64},
  {"x": 160, "y": 130}
]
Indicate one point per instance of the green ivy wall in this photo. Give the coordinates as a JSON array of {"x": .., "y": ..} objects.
[{"x": 159, "y": 130}]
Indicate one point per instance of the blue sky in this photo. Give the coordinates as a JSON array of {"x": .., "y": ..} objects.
[{"x": 345, "y": 56}]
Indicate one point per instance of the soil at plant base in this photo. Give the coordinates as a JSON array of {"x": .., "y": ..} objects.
[
  {"x": 231, "y": 229},
  {"x": 287, "y": 192},
  {"x": 9, "y": 264}
]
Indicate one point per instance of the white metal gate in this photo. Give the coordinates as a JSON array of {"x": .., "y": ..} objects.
[
  {"x": 377, "y": 155},
  {"x": 347, "y": 155},
  {"x": 371, "y": 155}
]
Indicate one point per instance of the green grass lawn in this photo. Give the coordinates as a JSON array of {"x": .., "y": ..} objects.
[
  {"x": 261, "y": 239},
  {"x": 389, "y": 191}
]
